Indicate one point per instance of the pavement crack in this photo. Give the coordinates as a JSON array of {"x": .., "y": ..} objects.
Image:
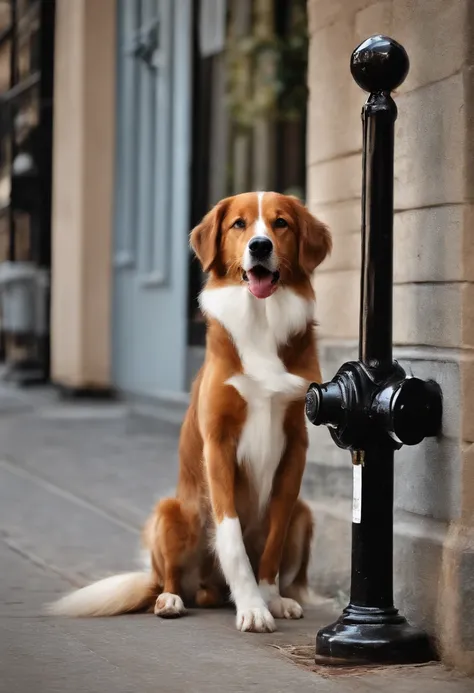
[
  {"x": 47, "y": 485},
  {"x": 94, "y": 652},
  {"x": 37, "y": 561}
]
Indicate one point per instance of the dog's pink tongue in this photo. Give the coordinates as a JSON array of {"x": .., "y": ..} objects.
[{"x": 261, "y": 287}]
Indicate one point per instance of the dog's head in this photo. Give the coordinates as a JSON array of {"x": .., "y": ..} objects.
[{"x": 264, "y": 239}]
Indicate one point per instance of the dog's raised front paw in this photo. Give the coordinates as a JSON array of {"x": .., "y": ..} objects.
[
  {"x": 256, "y": 620},
  {"x": 169, "y": 606}
]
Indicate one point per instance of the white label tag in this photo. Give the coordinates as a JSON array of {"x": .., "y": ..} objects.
[{"x": 357, "y": 493}]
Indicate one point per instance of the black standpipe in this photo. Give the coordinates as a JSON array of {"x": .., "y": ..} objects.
[{"x": 370, "y": 406}]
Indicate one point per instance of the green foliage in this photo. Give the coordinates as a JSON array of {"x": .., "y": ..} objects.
[{"x": 267, "y": 75}]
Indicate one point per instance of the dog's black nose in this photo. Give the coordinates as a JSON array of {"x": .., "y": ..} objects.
[{"x": 260, "y": 247}]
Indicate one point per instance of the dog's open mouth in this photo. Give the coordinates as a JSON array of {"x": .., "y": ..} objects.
[{"x": 262, "y": 281}]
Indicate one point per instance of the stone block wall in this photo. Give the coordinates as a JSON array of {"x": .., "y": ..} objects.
[{"x": 433, "y": 294}]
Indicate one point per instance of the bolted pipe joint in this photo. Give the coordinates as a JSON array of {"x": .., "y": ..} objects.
[
  {"x": 409, "y": 410},
  {"x": 359, "y": 405}
]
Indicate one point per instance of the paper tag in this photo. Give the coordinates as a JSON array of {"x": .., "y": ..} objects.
[{"x": 357, "y": 493}]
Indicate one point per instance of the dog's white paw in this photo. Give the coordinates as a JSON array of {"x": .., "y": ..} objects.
[
  {"x": 256, "y": 620},
  {"x": 282, "y": 607},
  {"x": 169, "y": 606}
]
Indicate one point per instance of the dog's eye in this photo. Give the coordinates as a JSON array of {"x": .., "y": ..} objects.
[
  {"x": 238, "y": 224},
  {"x": 280, "y": 223}
]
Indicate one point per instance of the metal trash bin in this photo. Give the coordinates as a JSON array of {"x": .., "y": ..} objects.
[{"x": 18, "y": 297}]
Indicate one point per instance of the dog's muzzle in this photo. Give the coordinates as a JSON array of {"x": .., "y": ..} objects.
[
  {"x": 261, "y": 272},
  {"x": 260, "y": 248}
]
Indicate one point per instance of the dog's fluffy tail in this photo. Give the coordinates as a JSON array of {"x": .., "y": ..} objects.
[{"x": 114, "y": 595}]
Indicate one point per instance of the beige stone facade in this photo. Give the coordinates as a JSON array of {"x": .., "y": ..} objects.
[
  {"x": 433, "y": 292},
  {"x": 83, "y": 187}
]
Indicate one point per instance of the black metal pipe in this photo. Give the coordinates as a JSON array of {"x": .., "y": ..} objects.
[
  {"x": 370, "y": 406},
  {"x": 372, "y": 537},
  {"x": 375, "y": 342}
]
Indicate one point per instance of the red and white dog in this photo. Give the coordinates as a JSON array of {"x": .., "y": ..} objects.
[{"x": 236, "y": 522}]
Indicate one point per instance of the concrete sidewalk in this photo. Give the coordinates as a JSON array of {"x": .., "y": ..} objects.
[{"x": 76, "y": 482}]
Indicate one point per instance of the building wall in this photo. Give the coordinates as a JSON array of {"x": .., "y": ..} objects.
[
  {"x": 83, "y": 184},
  {"x": 433, "y": 294}
]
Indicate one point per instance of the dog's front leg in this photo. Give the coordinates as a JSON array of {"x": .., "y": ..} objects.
[
  {"x": 252, "y": 612},
  {"x": 286, "y": 488}
]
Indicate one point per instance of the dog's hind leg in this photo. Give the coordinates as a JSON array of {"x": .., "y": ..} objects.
[
  {"x": 212, "y": 589},
  {"x": 174, "y": 548},
  {"x": 296, "y": 556}
]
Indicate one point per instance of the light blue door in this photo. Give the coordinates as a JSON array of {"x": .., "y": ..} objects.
[{"x": 151, "y": 211}]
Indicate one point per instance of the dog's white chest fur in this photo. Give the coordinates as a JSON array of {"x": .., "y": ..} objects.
[
  {"x": 262, "y": 442},
  {"x": 258, "y": 328}
]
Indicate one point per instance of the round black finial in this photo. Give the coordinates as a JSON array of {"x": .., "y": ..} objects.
[{"x": 379, "y": 64}]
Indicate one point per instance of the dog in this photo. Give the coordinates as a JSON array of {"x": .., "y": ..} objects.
[{"x": 237, "y": 528}]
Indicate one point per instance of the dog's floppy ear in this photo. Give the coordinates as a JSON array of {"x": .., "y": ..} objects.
[
  {"x": 205, "y": 237},
  {"x": 314, "y": 239}
]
